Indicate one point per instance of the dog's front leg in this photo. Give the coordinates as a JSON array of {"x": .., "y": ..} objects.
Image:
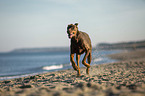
[
  {"x": 78, "y": 59},
  {"x": 73, "y": 62}
]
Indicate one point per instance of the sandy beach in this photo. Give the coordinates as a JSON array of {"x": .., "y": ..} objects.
[{"x": 123, "y": 78}]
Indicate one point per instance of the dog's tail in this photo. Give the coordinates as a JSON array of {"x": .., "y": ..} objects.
[{"x": 89, "y": 58}]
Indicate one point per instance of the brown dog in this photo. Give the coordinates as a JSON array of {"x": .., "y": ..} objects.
[{"x": 80, "y": 43}]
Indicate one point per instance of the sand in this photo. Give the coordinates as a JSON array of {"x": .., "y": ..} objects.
[{"x": 123, "y": 78}]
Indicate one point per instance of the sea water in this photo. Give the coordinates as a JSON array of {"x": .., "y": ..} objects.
[{"x": 15, "y": 64}]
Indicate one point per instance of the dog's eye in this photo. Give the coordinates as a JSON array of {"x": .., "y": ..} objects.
[{"x": 73, "y": 32}]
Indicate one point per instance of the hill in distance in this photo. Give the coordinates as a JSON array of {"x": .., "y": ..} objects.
[
  {"x": 37, "y": 50},
  {"x": 121, "y": 45}
]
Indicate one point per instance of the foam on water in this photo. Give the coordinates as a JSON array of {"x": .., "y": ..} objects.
[
  {"x": 97, "y": 59},
  {"x": 53, "y": 67}
]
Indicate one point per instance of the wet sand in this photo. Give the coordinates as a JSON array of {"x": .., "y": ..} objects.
[{"x": 123, "y": 78}]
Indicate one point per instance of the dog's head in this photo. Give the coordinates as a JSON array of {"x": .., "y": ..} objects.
[{"x": 72, "y": 30}]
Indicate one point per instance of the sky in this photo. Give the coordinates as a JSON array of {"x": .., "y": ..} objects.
[{"x": 43, "y": 23}]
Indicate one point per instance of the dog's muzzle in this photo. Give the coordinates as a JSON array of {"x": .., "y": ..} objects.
[{"x": 70, "y": 36}]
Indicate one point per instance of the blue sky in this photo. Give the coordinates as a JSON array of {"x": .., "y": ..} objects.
[{"x": 42, "y": 23}]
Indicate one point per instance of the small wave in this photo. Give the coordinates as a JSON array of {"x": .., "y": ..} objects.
[
  {"x": 18, "y": 76},
  {"x": 53, "y": 67},
  {"x": 97, "y": 59}
]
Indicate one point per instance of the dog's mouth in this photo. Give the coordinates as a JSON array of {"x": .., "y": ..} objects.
[{"x": 70, "y": 36}]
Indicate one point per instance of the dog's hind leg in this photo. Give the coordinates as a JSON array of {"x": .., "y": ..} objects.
[
  {"x": 84, "y": 61},
  {"x": 89, "y": 58},
  {"x": 78, "y": 59}
]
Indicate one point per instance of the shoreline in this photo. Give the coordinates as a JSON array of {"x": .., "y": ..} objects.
[
  {"x": 97, "y": 59},
  {"x": 129, "y": 55},
  {"x": 125, "y": 77}
]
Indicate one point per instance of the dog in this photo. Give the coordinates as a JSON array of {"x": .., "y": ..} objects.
[{"x": 80, "y": 43}]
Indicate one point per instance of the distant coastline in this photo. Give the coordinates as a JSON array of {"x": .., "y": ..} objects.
[
  {"x": 122, "y": 45},
  {"x": 101, "y": 46},
  {"x": 36, "y": 50}
]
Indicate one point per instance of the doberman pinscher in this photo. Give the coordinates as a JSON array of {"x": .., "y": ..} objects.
[{"x": 80, "y": 43}]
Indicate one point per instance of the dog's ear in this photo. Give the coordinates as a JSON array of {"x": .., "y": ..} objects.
[
  {"x": 76, "y": 24},
  {"x": 69, "y": 26}
]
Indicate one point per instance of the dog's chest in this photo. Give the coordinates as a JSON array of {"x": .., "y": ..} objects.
[{"x": 77, "y": 46}]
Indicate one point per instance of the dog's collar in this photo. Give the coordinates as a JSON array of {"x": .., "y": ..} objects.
[
  {"x": 76, "y": 38},
  {"x": 78, "y": 32}
]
